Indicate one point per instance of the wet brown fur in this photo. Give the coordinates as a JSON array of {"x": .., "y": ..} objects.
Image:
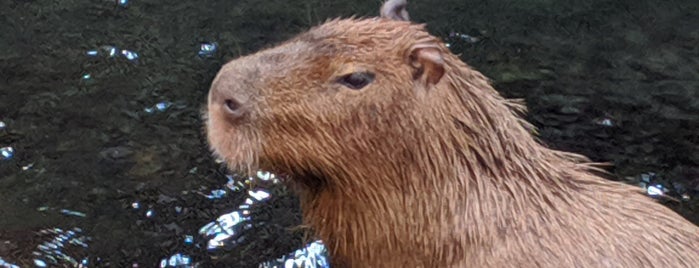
[{"x": 403, "y": 173}]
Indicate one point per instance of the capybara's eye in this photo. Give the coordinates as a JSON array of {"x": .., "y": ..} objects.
[{"x": 356, "y": 80}]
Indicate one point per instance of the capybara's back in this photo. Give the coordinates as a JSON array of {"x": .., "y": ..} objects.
[{"x": 404, "y": 156}]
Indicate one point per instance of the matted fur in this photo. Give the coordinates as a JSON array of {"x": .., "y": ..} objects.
[{"x": 406, "y": 174}]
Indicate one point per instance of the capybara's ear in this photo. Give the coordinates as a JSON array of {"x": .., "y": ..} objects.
[
  {"x": 395, "y": 10},
  {"x": 428, "y": 62}
]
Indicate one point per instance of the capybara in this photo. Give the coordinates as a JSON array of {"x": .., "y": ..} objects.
[{"x": 404, "y": 156}]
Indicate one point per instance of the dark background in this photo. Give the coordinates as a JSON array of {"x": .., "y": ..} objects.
[{"x": 94, "y": 149}]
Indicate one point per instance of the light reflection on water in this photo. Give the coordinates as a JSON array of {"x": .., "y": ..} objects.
[
  {"x": 4, "y": 264},
  {"x": 51, "y": 253},
  {"x": 313, "y": 255},
  {"x": 222, "y": 234},
  {"x": 228, "y": 230},
  {"x": 6, "y": 153}
]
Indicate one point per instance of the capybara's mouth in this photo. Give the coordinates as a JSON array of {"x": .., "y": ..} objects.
[{"x": 236, "y": 147}]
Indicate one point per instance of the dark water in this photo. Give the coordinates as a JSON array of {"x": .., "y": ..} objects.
[{"x": 104, "y": 161}]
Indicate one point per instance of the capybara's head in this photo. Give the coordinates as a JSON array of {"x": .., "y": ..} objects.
[
  {"x": 375, "y": 92},
  {"x": 325, "y": 97}
]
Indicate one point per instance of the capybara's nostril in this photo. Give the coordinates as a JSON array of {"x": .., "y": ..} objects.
[{"x": 232, "y": 105}]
